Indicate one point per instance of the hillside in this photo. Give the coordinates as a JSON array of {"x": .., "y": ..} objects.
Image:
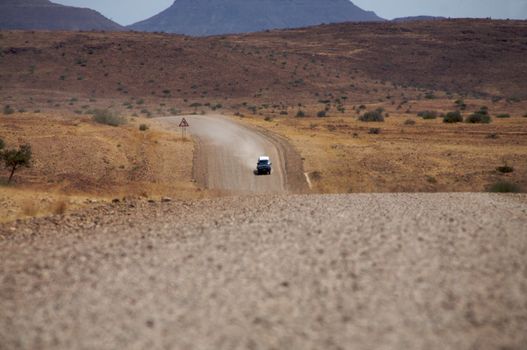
[
  {"x": 45, "y": 15},
  {"x": 418, "y": 18},
  {"x": 364, "y": 61},
  {"x": 332, "y": 74},
  {"x": 210, "y": 17}
]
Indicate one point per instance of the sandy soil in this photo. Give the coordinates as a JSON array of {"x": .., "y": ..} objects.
[
  {"x": 75, "y": 159},
  {"x": 401, "y": 271},
  {"x": 341, "y": 155},
  {"x": 227, "y": 153}
]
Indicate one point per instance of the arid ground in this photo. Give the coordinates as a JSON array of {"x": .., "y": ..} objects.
[
  {"x": 53, "y": 82},
  {"x": 132, "y": 236}
]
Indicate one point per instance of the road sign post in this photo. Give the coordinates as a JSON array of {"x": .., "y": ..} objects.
[{"x": 183, "y": 125}]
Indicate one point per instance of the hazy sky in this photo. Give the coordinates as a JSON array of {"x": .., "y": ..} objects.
[{"x": 130, "y": 11}]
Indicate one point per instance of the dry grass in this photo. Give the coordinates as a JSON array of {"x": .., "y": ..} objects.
[
  {"x": 75, "y": 157},
  {"x": 29, "y": 208},
  {"x": 59, "y": 207},
  {"x": 404, "y": 158}
]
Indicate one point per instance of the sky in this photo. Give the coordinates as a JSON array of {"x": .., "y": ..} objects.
[{"x": 130, "y": 11}]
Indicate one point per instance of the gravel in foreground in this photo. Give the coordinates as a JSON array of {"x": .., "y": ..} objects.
[{"x": 387, "y": 271}]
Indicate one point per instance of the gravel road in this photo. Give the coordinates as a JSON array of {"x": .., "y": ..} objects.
[
  {"x": 227, "y": 153},
  {"x": 387, "y": 271}
]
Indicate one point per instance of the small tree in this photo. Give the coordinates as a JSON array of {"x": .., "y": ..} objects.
[
  {"x": 453, "y": 117},
  {"x": 16, "y": 158}
]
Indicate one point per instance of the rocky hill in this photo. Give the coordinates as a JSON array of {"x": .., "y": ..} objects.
[
  {"x": 418, "y": 18},
  {"x": 210, "y": 17},
  {"x": 45, "y": 15}
]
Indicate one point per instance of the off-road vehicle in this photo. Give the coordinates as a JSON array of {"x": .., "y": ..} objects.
[{"x": 263, "y": 167}]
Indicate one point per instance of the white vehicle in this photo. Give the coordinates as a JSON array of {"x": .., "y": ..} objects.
[{"x": 263, "y": 166}]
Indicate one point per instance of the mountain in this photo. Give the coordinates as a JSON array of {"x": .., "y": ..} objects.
[
  {"x": 45, "y": 15},
  {"x": 211, "y": 17},
  {"x": 418, "y": 18}
]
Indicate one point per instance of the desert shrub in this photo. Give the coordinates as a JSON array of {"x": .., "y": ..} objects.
[
  {"x": 504, "y": 187},
  {"x": 493, "y": 136},
  {"x": 431, "y": 179},
  {"x": 321, "y": 114},
  {"x": 2, "y": 144},
  {"x": 143, "y": 127},
  {"x": 409, "y": 122},
  {"x": 453, "y": 117},
  {"x": 374, "y": 116},
  {"x": 300, "y": 114},
  {"x": 283, "y": 112},
  {"x": 427, "y": 114},
  {"x": 268, "y": 119},
  {"x": 503, "y": 116},
  {"x": 316, "y": 175},
  {"x": 103, "y": 116},
  {"x": 374, "y": 131},
  {"x": 505, "y": 169},
  {"x": 461, "y": 104},
  {"x": 430, "y": 96},
  {"x": 17, "y": 158},
  {"x": 8, "y": 110},
  {"x": 525, "y": 115},
  {"x": 478, "y": 118}
]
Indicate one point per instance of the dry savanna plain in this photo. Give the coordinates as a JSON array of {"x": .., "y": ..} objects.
[
  {"x": 146, "y": 239},
  {"x": 309, "y": 86}
]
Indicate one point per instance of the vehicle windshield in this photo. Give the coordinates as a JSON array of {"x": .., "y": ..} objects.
[{"x": 263, "y": 162}]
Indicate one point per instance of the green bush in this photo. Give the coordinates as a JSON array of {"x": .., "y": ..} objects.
[
  {"x": 461, "y": 104},
  {"x": 504, "y": 187},
  {"x": 503, "y": 115},
  {"x": 16, "y": 158},
  {"x": 374, "y": 116},
  {"x": 8, "y": 110},
  {"x": 103, "y": 116},
  {"x": 505, "y": 169},
  {"x": 143, "y": 127},
  {"x": 300, "y": 114},
  {"x": 478, "y": 118},
  {"x": 409, "y": 122},
  {"x": 453, "y": 117},
  {"x": 321, "y": 114},
  {"x": 427, "y": 114}
]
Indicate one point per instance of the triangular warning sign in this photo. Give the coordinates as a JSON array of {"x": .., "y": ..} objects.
[{"x": 183, "y": 123}]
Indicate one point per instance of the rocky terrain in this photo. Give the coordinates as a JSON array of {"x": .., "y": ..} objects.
[
  {"x": 406, "y": 271},
  {"x": 366, "y": 62},
  {"x": 206, "y": 17},
  {"x": 46, "y": 15}
]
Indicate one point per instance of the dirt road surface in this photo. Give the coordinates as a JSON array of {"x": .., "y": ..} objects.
[
  {"x": 387, "y": 271},
  {"x": 227, "y": 153}
]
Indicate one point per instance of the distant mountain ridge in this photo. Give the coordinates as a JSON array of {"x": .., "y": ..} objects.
[
  {"x": 46, "y": 15},
  {"x": 211, "y": 17},
  {"x": 418, "y": 18}
]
